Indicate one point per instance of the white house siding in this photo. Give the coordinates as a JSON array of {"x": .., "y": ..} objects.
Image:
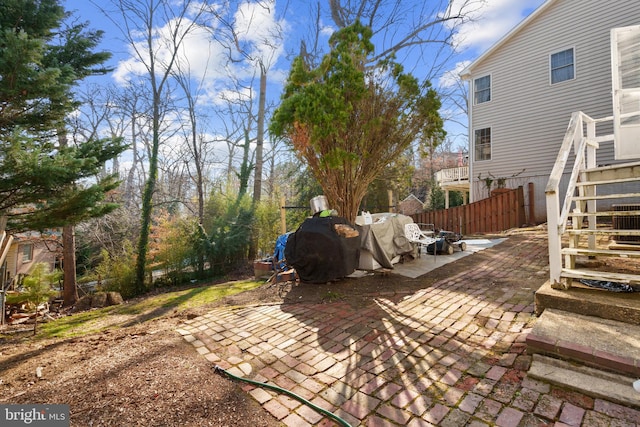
[{"x": 527, "y": 115}]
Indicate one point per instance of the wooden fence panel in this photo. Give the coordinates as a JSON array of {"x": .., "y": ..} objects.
[{"x": 499, "y": 212}]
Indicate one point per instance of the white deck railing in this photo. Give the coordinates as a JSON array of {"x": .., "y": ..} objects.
[
  {"x": 584, "y": 147},
  {"x": 449, "y": 175}
]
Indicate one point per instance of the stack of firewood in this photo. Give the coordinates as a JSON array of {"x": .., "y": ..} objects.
[{"x": 22, "y": 313}]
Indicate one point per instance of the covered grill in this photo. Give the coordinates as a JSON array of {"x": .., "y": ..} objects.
[{"x": 323, "y": 249}]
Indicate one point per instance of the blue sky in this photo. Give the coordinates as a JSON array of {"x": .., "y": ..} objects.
[{"x": 491, "y": 22}]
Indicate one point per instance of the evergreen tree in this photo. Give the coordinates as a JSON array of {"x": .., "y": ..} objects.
[
  {"x": 348, "y": 121},
  {"x": 45, "y": 183}
]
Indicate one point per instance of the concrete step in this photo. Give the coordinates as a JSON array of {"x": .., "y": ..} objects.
[
  {"x": 580, "y": 299},
  {"x": 592, "y": 382},
  {"x": 599, "y": 343}
]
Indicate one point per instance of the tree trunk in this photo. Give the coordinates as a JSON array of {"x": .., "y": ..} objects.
[
  {"x": 245, "y": 167},
  {"x": 257, "y": 179},
  {"x": 147, "y": 203},
  {"x": 70, "y": 289},
  {"x": 147, "y": 195},
  {"x": 257, "y": 176}
]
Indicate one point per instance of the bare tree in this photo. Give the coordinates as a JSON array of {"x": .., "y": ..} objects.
[
  {"x": 454, "y": 94},
  {"x": 157, "y": 51},
  {"x": 406, "y": 28},
  {"x": 248, "y": 39},
  {"x": 419, "y": 34},
  {"x": 131, "y": 118},
  {"x": 194, "y": 137}
]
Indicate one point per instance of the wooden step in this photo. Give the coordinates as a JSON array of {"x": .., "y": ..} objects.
[
  {"x": 613, "y": 167},
  {"x": 609, "y": 181},
  {"x": 612, "y": 172},
  {"x": 624, "y": 246},
  {"x": 601, "y": 252},
  {"x": 632, "y": 279},
  {"x": 605, "y": 196},
  {"x": 605, "y": 213},
  {"x": 602, "y": 231}
]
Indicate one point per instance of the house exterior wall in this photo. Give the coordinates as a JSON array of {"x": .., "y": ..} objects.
[
  {"x": 42, "y": 251},
  {"x": 528, "y": 116},
  {"x": 411, "y": 205}
]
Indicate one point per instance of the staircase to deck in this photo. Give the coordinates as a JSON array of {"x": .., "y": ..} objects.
[
  {"x": 603, "y": 225},
  {"x": 587, "y": 336}
]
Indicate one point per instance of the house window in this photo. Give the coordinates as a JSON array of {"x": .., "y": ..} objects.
[
  {"x": 482, "y": 143},
  {"x": 27, "y": 252},
  {"x": 562, "y": 65},
  {"x": 482, "y": 89}
]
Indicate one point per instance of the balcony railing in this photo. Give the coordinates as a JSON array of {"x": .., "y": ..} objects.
[{"x": 453, "y": 175}]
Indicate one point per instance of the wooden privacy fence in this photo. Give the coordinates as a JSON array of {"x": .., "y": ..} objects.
[{"x": 499, "y": 212}]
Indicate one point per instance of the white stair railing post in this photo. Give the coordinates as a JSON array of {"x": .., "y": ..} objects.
[
  {"x": 553, "y": 228},
  {"x": 555, "y": 218},
  {"x": 591, "y": 189}
]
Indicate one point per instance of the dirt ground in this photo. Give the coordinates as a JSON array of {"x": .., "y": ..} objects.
[{"x": 145, "y": 374}]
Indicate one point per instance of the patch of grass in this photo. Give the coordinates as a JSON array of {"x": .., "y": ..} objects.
[
  {"x": 152, "y": 307},
  {"x": 78, "y": 324},
  {"x": 189, "y": 298},
  {"x": 331, "y": 296}
]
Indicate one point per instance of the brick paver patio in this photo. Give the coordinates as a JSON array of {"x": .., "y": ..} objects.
[{"x": 451, "y": 354}]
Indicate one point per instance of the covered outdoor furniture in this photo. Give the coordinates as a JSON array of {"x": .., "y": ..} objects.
[{"x": 383, "y": 242}]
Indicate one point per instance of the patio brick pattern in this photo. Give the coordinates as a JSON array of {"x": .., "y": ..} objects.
[{"x": 451, "y": 354}]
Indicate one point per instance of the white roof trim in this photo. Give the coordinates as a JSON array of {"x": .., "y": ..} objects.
[
  {"x": 466, "y": 73},
  {"x": 410, "y": 196}
]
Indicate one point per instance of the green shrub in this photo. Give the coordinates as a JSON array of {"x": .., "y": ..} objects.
[
  {"x": 176, "y": 253},
  {"x": 39, "y": 286},
  {"x": 266, "y": 227},
  {"x": 116, "y": 272},
  {"x": 228, "y": 226}
]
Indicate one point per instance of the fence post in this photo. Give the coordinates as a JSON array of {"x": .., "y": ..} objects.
[
  {"x": 521, "y": 217},
  {"x": 283, "y": 216}
]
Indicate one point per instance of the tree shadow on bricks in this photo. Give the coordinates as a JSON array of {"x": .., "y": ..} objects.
[{"x": 400, "y": 357}]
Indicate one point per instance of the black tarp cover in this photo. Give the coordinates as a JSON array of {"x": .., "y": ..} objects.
[{"x": 318, "y": 253}]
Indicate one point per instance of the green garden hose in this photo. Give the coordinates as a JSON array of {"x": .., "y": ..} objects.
[{"x": 287, "y": 392}]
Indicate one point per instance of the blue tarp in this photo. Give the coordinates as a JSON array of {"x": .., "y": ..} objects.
[{"x": 278, "y": 254}]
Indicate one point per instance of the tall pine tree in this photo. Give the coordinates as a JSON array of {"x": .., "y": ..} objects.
[{"x": 44, "y": 183}]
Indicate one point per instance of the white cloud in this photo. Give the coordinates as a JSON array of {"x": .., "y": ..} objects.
[
  {"x": 327, "y": 30},
  {"x": 256, "y": 25},
  {"x": 233, "y": 95},
  {"x": 128, "y": 68},
  {"x": 259, "y": 34},
  {"x": 491, "y": 22},
  {"x": 197, "y": 52},
  {"x": 450, "y": 78}
]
